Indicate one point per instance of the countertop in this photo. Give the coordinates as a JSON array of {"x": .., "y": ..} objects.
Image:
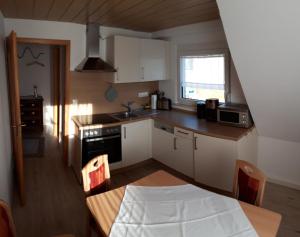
[{"x": 185, "y": 120}]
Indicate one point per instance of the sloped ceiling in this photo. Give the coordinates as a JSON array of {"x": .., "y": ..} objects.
[{"x": 264, "y": 40}]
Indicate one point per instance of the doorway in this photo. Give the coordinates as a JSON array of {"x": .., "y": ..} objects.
[
  {"x": 41, "y": 81},
  {"x": 57, "y": 112}
]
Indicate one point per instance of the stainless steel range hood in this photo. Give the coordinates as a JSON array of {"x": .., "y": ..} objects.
[{"x": 93, "y": 62}]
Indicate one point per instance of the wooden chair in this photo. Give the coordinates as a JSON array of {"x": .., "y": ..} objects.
[
  {"x": 249, "y": 183},
  {"x": 96, "y": 175},
  {"x": 7, "y": 226}
]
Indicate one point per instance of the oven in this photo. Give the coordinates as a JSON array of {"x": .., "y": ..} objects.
[
  {"x": 110, "y": 145},
  {"x": 102, "y": 141}
]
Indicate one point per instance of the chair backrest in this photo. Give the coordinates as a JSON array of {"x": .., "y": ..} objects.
[
  {"x": 95, "y": 173},
  {"x": 7, "y": 226},
  {"x": 249, "y": 183}
]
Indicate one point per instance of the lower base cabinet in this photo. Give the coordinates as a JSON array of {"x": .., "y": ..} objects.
[
  {"x": 173, "y": 147},
  {"x": 215, "y": 161},
  {"x": 183, "y": 152},
  {"x": 208, "y": 160},
  {"x": 163, "y": 143},
  {"x": 136, "y": 142}
]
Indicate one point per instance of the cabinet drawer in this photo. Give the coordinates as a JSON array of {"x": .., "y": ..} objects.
[
  {"x": 32, "y": 122},
  {"x": 30, "y": 113},
  {"x": 30, "y": 104},
  {"x": 179, "y": 132}
]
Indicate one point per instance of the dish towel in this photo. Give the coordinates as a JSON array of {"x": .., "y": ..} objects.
[{"x": 179, "y": 211}]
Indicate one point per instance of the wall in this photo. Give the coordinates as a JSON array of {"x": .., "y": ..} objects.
[
  {"x": 280, "y": 159},
  {"x": 65, "y": 31},
  {"x": 89, "y": 89},
  {"x": 37, "y": 75},
  {"x": 6, "y": 163},
  {"x": 51, "y": 30},
  {"x": 200, "y": 36},
  {"x": 265, "y": 48}
]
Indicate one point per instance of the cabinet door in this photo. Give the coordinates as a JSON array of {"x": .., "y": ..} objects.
[
  {"x": 163, "y": 146},
  {"x": 127, "y": 59},
  {"x": 136, "y": 142},
  {"x": 183, "y": 154},
  {"x": 215, "y": 161},
  {"x": 153, "y": 59}
]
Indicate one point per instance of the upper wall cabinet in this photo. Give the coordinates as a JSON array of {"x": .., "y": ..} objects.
[
  {"x": 154, "y": 59},
  {"x": 138, "y": 60}
]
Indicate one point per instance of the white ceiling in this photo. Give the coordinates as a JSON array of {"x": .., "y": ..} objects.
[{"x": 264, "y": 40}]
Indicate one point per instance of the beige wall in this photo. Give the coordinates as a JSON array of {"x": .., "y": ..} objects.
[{"x": 89, "y": 88}]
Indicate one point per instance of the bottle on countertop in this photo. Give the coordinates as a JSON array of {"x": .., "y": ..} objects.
[{"x": 154, "y": 101}]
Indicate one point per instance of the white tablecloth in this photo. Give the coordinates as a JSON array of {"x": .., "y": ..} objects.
[{"x": 179, "y": 211}]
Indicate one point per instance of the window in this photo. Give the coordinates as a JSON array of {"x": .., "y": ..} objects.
[{"x": 203, "y": 77}]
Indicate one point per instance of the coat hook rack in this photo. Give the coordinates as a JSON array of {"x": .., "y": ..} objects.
[
  {"x": 30, "y": 51},
  {"x": 35, "y": 63}
]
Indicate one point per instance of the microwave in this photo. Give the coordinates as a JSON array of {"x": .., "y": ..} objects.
[{"x": 237, "y": 115}]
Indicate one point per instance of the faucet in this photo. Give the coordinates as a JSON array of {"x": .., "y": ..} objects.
[{"x": 128, "y": 106}]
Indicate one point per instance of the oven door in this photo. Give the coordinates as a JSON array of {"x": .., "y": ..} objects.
[{"x": 110, "y": 145}]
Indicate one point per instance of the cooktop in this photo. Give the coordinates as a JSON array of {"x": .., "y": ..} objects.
[{"x": 94, "y": 119}]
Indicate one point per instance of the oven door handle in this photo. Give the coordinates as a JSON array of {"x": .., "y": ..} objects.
[{"x": 101, "y": 138}]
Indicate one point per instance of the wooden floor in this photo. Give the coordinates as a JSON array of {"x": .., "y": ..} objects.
[{"x": 56, "y": 203}]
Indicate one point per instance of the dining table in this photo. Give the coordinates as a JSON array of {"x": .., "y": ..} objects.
[{"x": 105, "y": 207}]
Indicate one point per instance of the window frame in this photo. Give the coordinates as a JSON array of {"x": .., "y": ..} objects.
[{"x": 206, "y": 52}]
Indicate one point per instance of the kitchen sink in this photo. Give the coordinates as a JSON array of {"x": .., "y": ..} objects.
[
  {"x": 124, "y": 115},
  {"x": 134, "y": 114},
  {"x": 145, "y": 112}
]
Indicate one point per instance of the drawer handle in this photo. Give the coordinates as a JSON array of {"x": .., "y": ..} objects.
[
  {"x": 124, "y": 132},
  {"x": 33, "y": 113},
  {"x": 185, "y": 133},
  {"x": 33, "y": 122},
  {"x": 175, "y": 145},
  {"x": 195, "y": 143},
  {"x": 32, "y": 105}
]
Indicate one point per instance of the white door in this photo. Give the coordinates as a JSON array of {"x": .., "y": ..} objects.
[
  {"x": 153, "y": 59},
  {"x": 163, "y": 143},
  {"x": 127, "y": 59},
  {"x": 215, "y": 161},
  {"x": 136, "y": 142},
  {"x": 184, "y": 153}
]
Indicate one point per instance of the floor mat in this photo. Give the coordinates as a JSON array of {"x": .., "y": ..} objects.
[{"x": 33, "y": 146}]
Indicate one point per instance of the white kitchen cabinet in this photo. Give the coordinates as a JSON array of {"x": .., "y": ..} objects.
[
  {"x": 124, "y": 54},
  {"x": 184, "y": 153},
  {"x": 173, "y": 147},
  {"x": 154, "y": 63},
  {"x": 138, "y": 60},
  {"x": 215, "y": 158},
  {"x": 163, "y": 143},
  {"x": 215, "y": 161},
  {"x": 136, "y": 142}
]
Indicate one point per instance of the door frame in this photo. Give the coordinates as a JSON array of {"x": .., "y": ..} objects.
[{"x": 67, "y": 83}]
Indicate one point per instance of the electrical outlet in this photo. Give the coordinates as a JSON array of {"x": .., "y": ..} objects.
[{"x": 143, "y": 94}]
